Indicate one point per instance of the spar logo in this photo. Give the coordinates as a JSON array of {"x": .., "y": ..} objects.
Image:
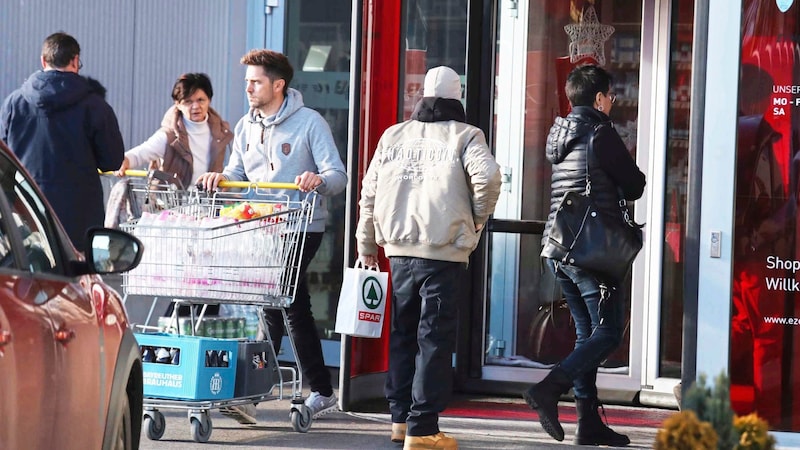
[
  {"x": 216, "y": 383},
  {"x": 372, "y": 296}
]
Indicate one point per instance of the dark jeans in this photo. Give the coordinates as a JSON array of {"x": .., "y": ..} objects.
[
  {"x": 425, "y": 297},
  {"x": 308, "y": 348},
  {"x": 599, "y": 324}
]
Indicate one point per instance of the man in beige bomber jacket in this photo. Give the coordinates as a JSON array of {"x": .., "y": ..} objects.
[{"x": 430, "y": 188}]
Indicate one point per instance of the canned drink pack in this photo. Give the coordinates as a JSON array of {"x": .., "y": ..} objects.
[
  {"x": 185, "y": 326},
  {"x": 241, "y": 331},
  {"x": 219, "y": 323},
  {"x": 210, "y": 327},
  {"x": 230, "y": 327},
  {"x": 166, "y": 325}
]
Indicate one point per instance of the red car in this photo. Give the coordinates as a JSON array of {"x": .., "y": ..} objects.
[{"x": 70, "y": 368}]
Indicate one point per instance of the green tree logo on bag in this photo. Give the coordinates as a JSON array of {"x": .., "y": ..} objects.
[{"x": 371, "y": 293}]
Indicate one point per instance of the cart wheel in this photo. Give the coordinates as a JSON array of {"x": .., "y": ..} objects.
[
  {"x": 301, "y": 419},
  {"x": 154, "y": 425},
  {"x": 201, "y": 428}
]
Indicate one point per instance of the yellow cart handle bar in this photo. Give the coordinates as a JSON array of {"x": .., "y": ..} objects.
[{"x": 222, "y": 184}]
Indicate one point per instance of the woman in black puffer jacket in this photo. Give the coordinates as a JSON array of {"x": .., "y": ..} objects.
[{"x": 599, "y": 323}]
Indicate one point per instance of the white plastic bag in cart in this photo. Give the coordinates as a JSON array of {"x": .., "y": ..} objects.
[{"x": 362, "y": 302}]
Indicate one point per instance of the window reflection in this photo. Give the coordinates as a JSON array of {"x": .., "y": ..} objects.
[
  {"x": 31, "y": 219},
  {"x": 318, "y": 46},
  {"x": 763, "y": 342},
  {"x": 523, "y": 329}
]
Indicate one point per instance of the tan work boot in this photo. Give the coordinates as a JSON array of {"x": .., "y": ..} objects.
[
  {"x": 399, "y": 432},
  {"x": 433, "y": 441}
]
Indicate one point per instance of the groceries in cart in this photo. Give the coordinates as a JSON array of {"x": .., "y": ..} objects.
[
  {"x": 233, "y": 250},
  {"x": 143, "y": 192},
  {"x": 236, "y": 327},
  {"x": 220, "y": 248},
  {"x": 248, "y": 210}
]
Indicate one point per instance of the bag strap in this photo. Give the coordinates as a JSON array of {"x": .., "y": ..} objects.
[
  {"x": 623, "y": 204},
  {"x": 589, "y": 152}
]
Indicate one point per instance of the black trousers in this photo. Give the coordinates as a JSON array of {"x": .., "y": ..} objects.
[
  {"x": 307, "y": 344},
  {"x": 425, "y": 297}
]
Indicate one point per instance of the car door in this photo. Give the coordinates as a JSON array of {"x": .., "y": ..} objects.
[
  {"x": 27, "y": 353},
  {"x": 78, "y": 404}
]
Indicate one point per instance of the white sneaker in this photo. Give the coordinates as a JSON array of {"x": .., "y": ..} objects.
[
  {"x": 321, "y": 405},
  {"x": 245, "y": 414}
]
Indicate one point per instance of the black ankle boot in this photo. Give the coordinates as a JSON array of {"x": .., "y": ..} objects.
[
  {"x": 543, "y": 397},
  {"x": 591, "y": 429}
]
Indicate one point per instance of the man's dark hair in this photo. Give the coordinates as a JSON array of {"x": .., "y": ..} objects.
[
  {"x": 59, "y": 49},
  {"x": 276, "y": 65},
  {"x": 187, "y": 84},
  {"x": 584, "y": 82}
]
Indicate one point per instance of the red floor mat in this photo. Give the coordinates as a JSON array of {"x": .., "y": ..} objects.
[{"x": 616, "y": 415}]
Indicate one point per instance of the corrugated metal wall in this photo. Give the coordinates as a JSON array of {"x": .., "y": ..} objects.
[{"x": 136, "y": 48}]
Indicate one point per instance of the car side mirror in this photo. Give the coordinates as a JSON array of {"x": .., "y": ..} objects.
[{"x": 112, "y": 251}]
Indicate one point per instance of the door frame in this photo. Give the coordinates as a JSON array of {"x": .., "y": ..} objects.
[{"x": 510, "y": 108}]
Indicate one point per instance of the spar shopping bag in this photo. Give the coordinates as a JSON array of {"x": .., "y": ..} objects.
[{"x": 362, "y": 302}]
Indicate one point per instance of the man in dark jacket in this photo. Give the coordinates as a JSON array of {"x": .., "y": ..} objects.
[{"x": 61, "y": 128}]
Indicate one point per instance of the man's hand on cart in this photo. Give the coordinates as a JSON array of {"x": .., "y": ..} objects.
[
  {"x": 308, "y": 181},
  {"x": 126, "y": 164},
  {"x": 369, "y": 260},
  {"x": 209, "y": 181}
]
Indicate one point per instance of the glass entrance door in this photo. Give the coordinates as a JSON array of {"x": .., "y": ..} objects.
[{"x": 539, "y": 42}]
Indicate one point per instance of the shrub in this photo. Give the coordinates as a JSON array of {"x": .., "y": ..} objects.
[
  {"x": 684, "y": 431},
  {"x": 753, "y": 433},
  {"x": 713, "y": 405}
]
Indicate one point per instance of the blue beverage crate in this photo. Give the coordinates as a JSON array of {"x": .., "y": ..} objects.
[{"x": 190, "y": 379}]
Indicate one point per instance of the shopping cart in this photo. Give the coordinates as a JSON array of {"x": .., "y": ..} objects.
[
  {"x": 223, "y": 248},
  {"x": 142, "y": 191}
]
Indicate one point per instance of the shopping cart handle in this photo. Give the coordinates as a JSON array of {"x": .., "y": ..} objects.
[
  {"x": 128, "y": 173},
  {"x": 260, "y": 185}
]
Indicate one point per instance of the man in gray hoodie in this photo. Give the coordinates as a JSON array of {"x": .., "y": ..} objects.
[
  {"x": 430, "y": 188},
  {"x": 280, "y": 140}
]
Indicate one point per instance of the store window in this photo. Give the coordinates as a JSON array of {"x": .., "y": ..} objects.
[
  {"x": 523, "y": 328},
  {"x": 765, "y": 336},
  {"x": 318, "y": 46},
  {"x": 434, "y": 35},
  {"x": 677, "y": 167}
]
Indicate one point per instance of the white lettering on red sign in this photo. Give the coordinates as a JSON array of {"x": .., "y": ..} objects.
[{"x": 369, "y": 317}]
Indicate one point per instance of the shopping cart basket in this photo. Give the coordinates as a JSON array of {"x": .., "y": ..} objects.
[
  {"x": 236, "y": 248},
  {"x": 142, "y": 191}
]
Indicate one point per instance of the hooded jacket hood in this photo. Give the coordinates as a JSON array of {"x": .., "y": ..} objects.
[
  {"x": 291, "y": 104},
  {"x": 436, "y": 109},
  {"x": 568, "y": 131},
  {"x": 53, "y": 90}
]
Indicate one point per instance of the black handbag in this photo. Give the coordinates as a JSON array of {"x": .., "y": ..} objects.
[{"x": 582, "y": 236}]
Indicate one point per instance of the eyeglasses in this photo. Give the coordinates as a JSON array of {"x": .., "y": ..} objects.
[
  {"x": 612, "y": 96},
  {"x": 80, "y": 66}
]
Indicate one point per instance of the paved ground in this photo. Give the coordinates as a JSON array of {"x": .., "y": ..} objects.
[
  {"x": 491, "y": 425},
  {"x": 354, "y": 430}
]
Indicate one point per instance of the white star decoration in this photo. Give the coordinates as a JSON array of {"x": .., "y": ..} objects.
[{"x": 587, "y": 37}]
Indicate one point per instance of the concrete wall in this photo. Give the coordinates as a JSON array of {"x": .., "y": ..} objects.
[{"x": 136, "y": 48}]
